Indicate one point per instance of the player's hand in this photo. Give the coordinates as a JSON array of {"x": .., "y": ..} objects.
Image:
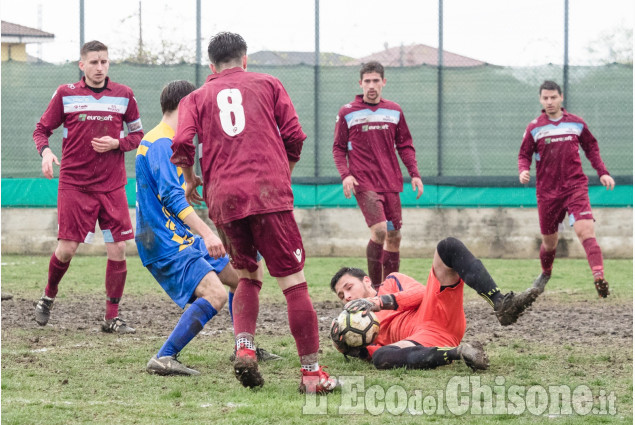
[
  {"x": 48, "y": 158},
  {"x": 417, "y": 185},
  {"x": 349, "y": 184},
  {"x": 214, "y": 245},
  {"x": 340, "y": 345},
  {"x": 191, "y": 194},
  {"x": 607, "y": 181},
  {"x": 360, "y": 304},
  {"x": 104, "y": 144},
  {"x": 524, "y": 177}
]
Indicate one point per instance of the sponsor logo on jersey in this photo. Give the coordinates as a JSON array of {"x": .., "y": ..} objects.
[
  {"x": 126, "y": 232},
  {"x": 298, "y": 255},
  {"x": 71, "y": 86},
  {"x": 84, "y": 117},
  {"x": 585, "y": 213},
  {"x": 558, "y": 139},
  {"x": 374, "y": 127}
]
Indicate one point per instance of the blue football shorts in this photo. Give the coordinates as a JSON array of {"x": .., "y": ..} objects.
[{"x": 180, "y": 274}]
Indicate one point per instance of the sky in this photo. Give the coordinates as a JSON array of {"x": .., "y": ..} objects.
[{"x": 501, "y": 32}]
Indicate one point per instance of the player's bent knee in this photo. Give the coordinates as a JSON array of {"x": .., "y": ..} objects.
[
  {"x": 451, "y": 248},
  {"x": 212, "y": 290}
]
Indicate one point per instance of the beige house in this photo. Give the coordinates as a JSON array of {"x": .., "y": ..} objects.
[{"x": 15, "y": 38}]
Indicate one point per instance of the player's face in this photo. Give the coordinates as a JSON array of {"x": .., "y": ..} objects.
[
  {"x": 95, "y": 67},
  {"x": 372, "y": 84},
  {"x": 551, "y": 102},
  {"x": 351, "y": 288}
]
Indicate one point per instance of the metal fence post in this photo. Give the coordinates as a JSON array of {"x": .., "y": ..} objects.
[
  {"x": 565, "y": 69},
  {"x": 316, "y": 92},
  {"x": 81, "y": 30},
  {"x": 440, "y": 93},
  {"x": 198, "y": 43}
]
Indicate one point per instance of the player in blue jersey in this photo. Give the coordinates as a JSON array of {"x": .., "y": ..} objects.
[{"x": 190, "y": 268}]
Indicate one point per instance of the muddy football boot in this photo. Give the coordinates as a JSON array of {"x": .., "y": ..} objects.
[
  {"x": 541, "y": 282},
  {"x": 511, "y": 306},
  {"x": 602, "y": 286},
  {"x": 262, "y": 355},
  {"x": 246, "y": 368},
  {"x": 43, "y": 310},
  {"x": 474, "y": 355},
  {"x": 318, "y": 382},
  {"x": 169, "y": 365},
  {"x": 116, "y": 325}
]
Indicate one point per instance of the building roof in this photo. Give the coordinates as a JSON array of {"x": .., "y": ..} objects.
[
  {"x": 268, "y": 57},
  {"x": 416, "y": 55},
  {"x": 14, "y": 33}
]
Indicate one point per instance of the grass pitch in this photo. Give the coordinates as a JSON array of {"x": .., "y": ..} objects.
[{"x": 70, "y": 373}]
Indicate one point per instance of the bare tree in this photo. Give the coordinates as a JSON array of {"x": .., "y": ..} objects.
[{"x": 614, "y": 46}]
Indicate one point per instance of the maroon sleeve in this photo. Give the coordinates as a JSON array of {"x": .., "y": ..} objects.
[
  {"x": 340, "y": 146},
  {"x": 133, "y": 123},
  {"x": 592, "y": 151},
  {"x": 288, "y": 123},
  {"x": 183, "y": 142},
  {"x": 527, "y": 149},
  {"x": 52, "y": 118},
  {"x": 405, "y": 147}
]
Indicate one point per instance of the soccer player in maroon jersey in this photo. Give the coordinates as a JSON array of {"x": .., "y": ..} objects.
[
  {"x": 249, "y": 141},
  {"x": 92, "y": 175},
  {"x": 421, "y": 327},
  {"x": 554, "y": 138},
  {"x": 367, "y": 132}
]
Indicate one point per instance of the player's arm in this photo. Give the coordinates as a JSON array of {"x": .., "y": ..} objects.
[
  {"x": 183, "y": 143},
  {"x": 135, "y": 132},
  {"x": 340, "y": 152},
  {"x": 288, "y": 124},
  {"x": 405, "y": 148},
  {"x": 133, "y": 124},
  {"x": 591, "y": 149},
  {"x": 408, "y": 297},
  {"x": 527, "y": 149},
  {"x": 52, "y": 118}
]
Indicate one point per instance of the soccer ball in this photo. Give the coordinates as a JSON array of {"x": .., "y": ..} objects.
[{"x": 355, "y": 329}]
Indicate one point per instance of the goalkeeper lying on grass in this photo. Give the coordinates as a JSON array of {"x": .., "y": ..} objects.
[{"x": 421, "y": 326}]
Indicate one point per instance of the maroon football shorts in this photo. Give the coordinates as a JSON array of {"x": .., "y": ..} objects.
[
  {"x": 78, "y": 212},
  {"x": 551, "y": 211},
  {"x": 378, "y": 207},
  {"x": 275, "y": 235}
]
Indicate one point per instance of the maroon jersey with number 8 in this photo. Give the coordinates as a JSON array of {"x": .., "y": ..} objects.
[{"x": 248, "y": 132}]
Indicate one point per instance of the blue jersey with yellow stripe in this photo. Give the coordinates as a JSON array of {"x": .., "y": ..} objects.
[{"x": 161, "y": 204}]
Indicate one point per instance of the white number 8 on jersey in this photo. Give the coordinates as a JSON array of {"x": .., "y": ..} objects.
[{"x": 230, "y": 101}]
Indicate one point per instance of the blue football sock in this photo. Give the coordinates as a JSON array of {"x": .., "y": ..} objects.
[
  {"x": 229, "y": 304},
  {"x": 190, "y": 324}
]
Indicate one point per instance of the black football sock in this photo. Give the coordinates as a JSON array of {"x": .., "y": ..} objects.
[
  {"x": 417, "y": 357},
  {"x": 456, "y": 256}
]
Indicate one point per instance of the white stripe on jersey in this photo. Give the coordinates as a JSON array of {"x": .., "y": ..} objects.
[{"x": 94, "y": 107}]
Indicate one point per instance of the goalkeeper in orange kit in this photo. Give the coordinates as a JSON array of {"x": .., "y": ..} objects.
[{"x": 421, "y": 326}]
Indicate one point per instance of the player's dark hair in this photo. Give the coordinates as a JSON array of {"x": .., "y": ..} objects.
[
  {"x": 355, "y": 272},
  {"x": 92, "y": 46},
  {"x": 372, "y": 66},
  {"x": 550, "y": 85},
  {"x": 226, "y": 47},
  {"x": 172, "y": 94}
]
